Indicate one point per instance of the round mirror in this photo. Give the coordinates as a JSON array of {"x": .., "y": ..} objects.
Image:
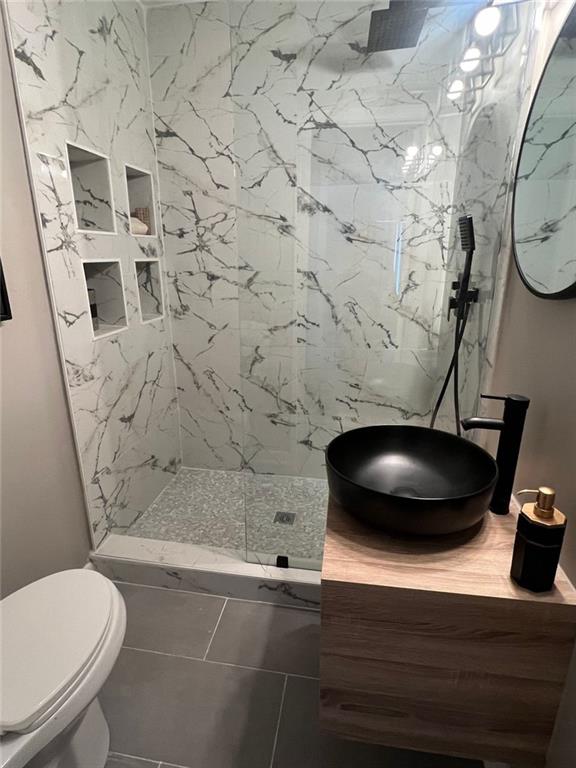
[{"x": 544, "y": 209}]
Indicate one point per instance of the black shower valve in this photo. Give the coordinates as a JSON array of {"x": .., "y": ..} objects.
[
  {"x": 457, "y": 302},
  {"x": 472, "y": 296},
  {"x": 454, "y": 300}
]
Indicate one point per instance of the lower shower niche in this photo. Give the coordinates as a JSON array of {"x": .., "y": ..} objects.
[
  {"x": 149, "y": 289},
  {"x": 105, "y": 291}
]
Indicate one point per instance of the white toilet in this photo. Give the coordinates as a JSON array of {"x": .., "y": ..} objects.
[{"x": 60, "y": 638}]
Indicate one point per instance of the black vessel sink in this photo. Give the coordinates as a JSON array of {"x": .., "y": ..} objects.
[{"x": 411, "y": 480}]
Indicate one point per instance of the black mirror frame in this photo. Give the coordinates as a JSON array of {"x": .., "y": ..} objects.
[
  {"x": 5, "y": 311},
  {"x": 570, "y": 291}
]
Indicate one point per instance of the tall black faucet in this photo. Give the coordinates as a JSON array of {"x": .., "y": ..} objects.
[{"x": 510, "y": 426}]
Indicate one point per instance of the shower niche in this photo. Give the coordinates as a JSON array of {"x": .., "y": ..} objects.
[
  {"x": 140, "y": 202},
  {"x": 90, "y": 177},
  {"x": 105, "y": 291},
  {"x": 149, "y": 289}
]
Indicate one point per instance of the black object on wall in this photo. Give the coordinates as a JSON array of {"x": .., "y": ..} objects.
[{"x": 5, "y": 311}]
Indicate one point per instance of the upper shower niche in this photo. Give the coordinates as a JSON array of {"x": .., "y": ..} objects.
[
  {"x": 140, "y": 202},
  {"x": 90, "y": 175}
]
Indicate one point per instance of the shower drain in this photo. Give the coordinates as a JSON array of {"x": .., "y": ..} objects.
[{"x": 286, "y": 518}]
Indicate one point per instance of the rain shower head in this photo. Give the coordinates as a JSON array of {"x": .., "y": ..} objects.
[
  {"x": 396, "y": 27},
  {"x": 400, "y": 25}
]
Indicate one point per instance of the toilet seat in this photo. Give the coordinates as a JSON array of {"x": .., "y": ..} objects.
[
  {"x": 51, "y": 631},
  {"x": 84, "y": 623}
]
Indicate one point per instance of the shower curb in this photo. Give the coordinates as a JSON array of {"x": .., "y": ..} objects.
[{"x": 301, "y": 592}]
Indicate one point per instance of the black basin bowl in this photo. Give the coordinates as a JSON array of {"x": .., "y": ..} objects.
[{"x": 411, "y": 480}]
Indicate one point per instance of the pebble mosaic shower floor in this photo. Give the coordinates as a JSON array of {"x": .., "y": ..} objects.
[{"x": 266, "y": 514}]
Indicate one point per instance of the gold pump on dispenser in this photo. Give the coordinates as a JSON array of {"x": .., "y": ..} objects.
[
  {"x": 543, "y": 508},
  {"x": 538, "y": 543}
]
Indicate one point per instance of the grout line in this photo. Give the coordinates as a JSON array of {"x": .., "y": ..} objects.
[
  {"x": 216, "y": 628},
  {"x": 275, "y": 744},
  {"x": 159, "y": 227},
  {"x": 219, "y": 663},
  {"x": 224, "y": 597},
  {"x": 162, "y": 653},
  {"x": 163, "y": 764},
  {"x": 153, "y": 763}
]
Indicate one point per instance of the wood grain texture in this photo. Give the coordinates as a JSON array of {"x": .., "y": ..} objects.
[{"x": 428, "y": 644}]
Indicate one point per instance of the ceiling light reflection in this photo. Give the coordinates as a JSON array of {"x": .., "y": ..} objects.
[
  {"x": 487, "y": 20},
  {"x": 456, "y": 89},
  {"x": 470, "y": 60}
]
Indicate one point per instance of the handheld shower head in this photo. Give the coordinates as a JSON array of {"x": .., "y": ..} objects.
[
  {"x": 461, "y": 302},
  {"x": 466, "y": 225}
]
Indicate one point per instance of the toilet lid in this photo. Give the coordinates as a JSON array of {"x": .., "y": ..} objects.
[{"x": 50, "y": 631}]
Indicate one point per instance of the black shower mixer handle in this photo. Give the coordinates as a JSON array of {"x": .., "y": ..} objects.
[{"x": 459, "y": 303}]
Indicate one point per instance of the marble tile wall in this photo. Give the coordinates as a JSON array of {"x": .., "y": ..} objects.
[
  {"x": 150, "y": 288},
  {"x": 307, "y": 193},
  {"x": 491, "y": 128},
  {"x": 82, "y": 73}
]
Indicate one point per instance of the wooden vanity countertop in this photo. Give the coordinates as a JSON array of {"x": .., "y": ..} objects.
[
  {"x": 429, "y": 645},
  {"x": 475, "y": 564}
]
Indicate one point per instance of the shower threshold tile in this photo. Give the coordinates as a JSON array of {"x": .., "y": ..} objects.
[
  {"x": 173, "y": 553},
  {"x": 170, "y": 564}
]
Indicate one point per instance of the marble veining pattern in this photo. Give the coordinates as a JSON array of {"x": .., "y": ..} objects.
[
  {"x": 309, "y": 193},
  {"x": 150, "y": 289},
  {"x": 306, "y": 245},
  {"x": 246, "y": 581},
  {"x": 490, "y": 135},
  {"x": 83, "y": 77}
]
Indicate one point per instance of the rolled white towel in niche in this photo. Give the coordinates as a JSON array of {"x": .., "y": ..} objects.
[{"x": 138, "y": 227}]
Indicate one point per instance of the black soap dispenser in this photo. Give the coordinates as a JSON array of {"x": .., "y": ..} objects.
[{"x": 539, "y": 537}]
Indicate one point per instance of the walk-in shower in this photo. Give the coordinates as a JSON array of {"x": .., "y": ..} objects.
[{"x": 249, "y": 215}]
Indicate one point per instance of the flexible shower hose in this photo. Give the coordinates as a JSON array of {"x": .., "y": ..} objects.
[{"x": 453, "y": 369}]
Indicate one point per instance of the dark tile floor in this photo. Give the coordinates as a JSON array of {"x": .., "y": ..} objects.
[{"x": 210, "y": 682}]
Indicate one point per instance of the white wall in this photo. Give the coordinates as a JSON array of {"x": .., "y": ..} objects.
[{"x": 43, "y": 519}]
